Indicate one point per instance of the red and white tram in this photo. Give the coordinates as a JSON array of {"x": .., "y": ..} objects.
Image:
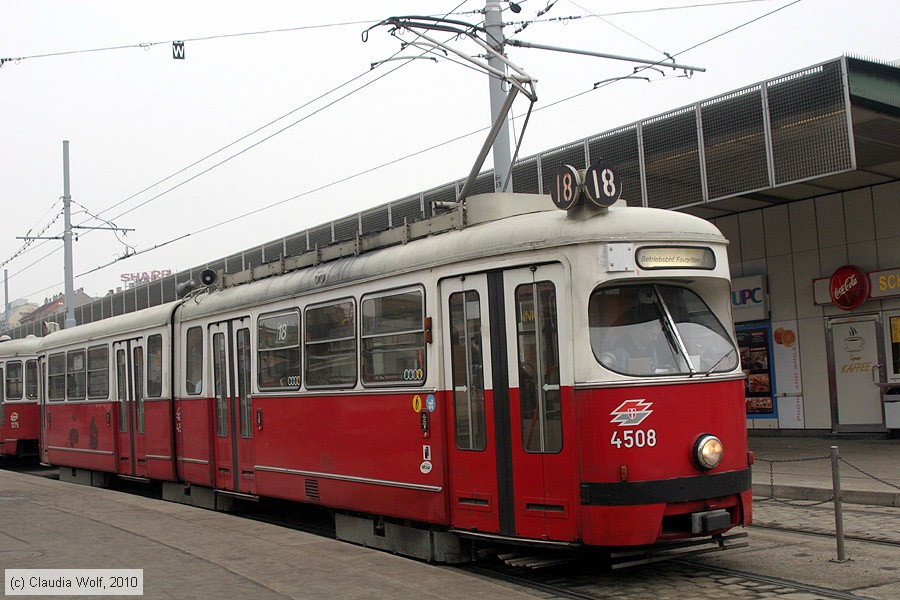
[
  {"x": 529, "y": 375},
  {"x": 19, "y": 421}
]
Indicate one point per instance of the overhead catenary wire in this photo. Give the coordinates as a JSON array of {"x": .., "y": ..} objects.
[{"x": 400, "y": 159}]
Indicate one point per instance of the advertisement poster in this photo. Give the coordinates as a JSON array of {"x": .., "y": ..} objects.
[
  {"x": 753, "y": 343},
  {"x": 786, "y": 365}
]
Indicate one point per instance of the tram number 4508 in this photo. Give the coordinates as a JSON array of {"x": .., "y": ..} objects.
[{"x": 633, "y": 438}]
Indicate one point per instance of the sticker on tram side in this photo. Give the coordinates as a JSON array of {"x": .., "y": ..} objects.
[
  {"x": 426, "y": 452},
  {"x": 417, "y": 403},
  {"x": 430, "y": 403},
  {"x": 425, "y": 467},
  {"x": 632, "y": 413}
]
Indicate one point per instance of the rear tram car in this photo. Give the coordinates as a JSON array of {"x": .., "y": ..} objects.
[
  {"x": 565, "y": 379},
  {"x": 19, "y": 421}
]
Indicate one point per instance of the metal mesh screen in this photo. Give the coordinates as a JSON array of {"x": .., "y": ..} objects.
[
  {"x": 483, "y": 184},
  {"x": 409, "y": 208},
  {"x": 252, "y": 258},
  {"x": 141, "y": 297},
  {"x": 273, "y": 251},
  {"x": 216, "y": 266},
  {"x": 130, "y": 301},
  {"x": 154, "y": 293},
  {"x": 620, "y": 149},
  {"x": 734, "y": 143},
  {"x": 525, "y": 176},
  {"x": 234, "y": 263},
  {"x": 573, "y": 154},
  {"x": 375, "y": 220},
  {"x": 168, "y": 289},
  {"x": 320, "y": 236},
  {"x": 118, "y": 304},
  {"x": 346, "y": 228},
  {"x": 671, "y": 157},
  {"x": 97, "y": 310},
  {"x": 295, "y": 244},
  {"x": 83, "y": 314},
  {"x": 807, "y": 111}
]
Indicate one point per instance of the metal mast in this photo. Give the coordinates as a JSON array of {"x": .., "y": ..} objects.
[
  {"x": 493, "y": 24},
  {"x": 67, "y": 242}
]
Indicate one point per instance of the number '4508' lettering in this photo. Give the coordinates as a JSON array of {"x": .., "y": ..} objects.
[{"x": 633, "y": 438}]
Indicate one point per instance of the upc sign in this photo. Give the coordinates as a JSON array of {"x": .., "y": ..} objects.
[{"x": 749, "y": 299}]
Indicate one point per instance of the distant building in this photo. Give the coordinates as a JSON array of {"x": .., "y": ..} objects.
[{"x": 53, "y": 306}]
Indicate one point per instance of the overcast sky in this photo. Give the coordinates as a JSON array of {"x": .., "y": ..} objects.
[{"x": 101, "y": 75}]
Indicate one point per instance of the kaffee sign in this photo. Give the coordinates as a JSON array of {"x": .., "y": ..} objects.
[{"x": 849, "y": 286}]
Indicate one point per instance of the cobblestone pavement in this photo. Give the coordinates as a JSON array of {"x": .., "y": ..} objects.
[{"x": 880, "y": 523}]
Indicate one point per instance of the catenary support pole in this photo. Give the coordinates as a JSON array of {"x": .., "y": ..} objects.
[
  {"x": 838, "y": 505},
  {"x": 67, "y": 242},
  {"x": 493, "y": 24}
]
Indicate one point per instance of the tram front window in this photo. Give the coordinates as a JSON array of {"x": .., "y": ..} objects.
[{"x": 649, "y": 330}]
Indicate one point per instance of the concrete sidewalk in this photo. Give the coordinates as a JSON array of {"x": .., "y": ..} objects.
[{"x": 800, "y": 468}]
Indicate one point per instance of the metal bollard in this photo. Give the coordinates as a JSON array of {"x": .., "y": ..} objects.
[{"x": 838, "y": 505}]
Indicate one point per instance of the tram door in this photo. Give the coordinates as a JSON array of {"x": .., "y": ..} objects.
[
  {"x": 129, "y": 360},
  {"x": 518, "y": 477},
  {"x": 230, "y": 347}
]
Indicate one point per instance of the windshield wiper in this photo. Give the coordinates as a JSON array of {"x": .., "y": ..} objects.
[{"x": 718, "y": 362}]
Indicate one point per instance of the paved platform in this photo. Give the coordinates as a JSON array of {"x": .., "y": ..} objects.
[
  {"x": 800, "y": 468},
  {"x": 189, "y": 552}
]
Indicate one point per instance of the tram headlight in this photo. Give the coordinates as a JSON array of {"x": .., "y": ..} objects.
[{"x": 708, "y": 452}]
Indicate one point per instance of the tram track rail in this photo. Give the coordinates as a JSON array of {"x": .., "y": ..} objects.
[
  {"x": 825, "y": 534},
  {"x": 787, "y": 583},
  {"x": 616, "y": 584}
]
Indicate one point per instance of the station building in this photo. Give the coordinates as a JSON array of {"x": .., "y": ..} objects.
[{"x": 800, "y": 172}]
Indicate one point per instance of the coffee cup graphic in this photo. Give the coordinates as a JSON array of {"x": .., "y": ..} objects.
[{"x": 854, "y": 343}]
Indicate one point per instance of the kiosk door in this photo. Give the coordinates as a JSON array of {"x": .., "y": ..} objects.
[
  {"x": 230, "y": 346},
  {"x": 856, "y": 361}
]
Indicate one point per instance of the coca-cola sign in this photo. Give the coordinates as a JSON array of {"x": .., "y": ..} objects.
[{"x": 849, "y": 287}]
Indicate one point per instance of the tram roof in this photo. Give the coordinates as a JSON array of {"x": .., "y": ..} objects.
[
  {"x": 10, "y": 348},
  {"x": 532, "y": 223}
]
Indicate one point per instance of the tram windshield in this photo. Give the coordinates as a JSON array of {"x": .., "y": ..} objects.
[{"x": 656, "y": 329}]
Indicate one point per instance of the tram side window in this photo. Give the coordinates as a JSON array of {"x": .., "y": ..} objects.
[
  {"x": 98, "y": 372},
  {"x": 540, "y": 402},
  {"x": 14, "y": 380},
  {"x": 220, "y": 371},
  {"x": 138, "y": 358},
  {"x": 76, "y": 371},
  {"x": 331, "y": 345},
  {"x": 393, "y": 338},
  {"x": 468, "y": 374},
  {"x": 31, "y": 379},
  {"x": 122, "y": 389},
  {"x": 56, "y": 377},
  {"x": 154, "y": 366},
  {"x": 243, "y": 381},
  {"x": 193, "y": 353},
  {"x": 278, "y": 351}
]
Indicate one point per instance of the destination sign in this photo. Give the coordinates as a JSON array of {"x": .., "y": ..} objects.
[{"x": 675, "y": 257}]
